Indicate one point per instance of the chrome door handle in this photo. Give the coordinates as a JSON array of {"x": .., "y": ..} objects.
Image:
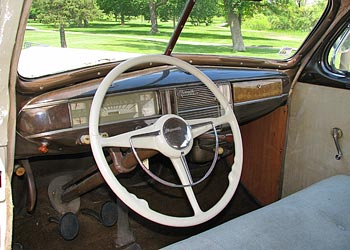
[{"x": 337, "y": 133}]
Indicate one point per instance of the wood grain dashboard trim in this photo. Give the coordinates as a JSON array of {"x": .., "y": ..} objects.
[{"x": 253, "y": 90}]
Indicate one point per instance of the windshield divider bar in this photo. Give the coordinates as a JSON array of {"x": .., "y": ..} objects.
[{"x": 181, "y": 24}]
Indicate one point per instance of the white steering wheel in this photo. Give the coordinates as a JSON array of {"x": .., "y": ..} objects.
[{"x": 170, "y": 135}]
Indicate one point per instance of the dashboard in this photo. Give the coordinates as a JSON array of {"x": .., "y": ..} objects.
[{"x": 59, "y": 119}]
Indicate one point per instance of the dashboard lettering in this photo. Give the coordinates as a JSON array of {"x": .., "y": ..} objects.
[
  {"x": 187, "y": 92},
  {"x": 170, "y": 130}
]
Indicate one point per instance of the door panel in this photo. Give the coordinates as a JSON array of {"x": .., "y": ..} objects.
[{"x": 310, "y": 154}]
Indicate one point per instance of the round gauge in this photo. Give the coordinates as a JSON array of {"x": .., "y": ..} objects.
[
  {"x": 148, "y": 108},
  {"x": 78, "y": 106},
  {"x": 77, "y": 121}
]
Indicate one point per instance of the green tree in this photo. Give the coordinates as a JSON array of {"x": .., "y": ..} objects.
[
  {"x": 171, "y": 10},
  {"x": 121, "y": 8},
  {"x": 35, "y": 10},
  {"x": 66, "y": 12},
  {"x": 88, "y": 10},
  {"x": 304, "y": 15},
  {"x": 204, "y": 11}
]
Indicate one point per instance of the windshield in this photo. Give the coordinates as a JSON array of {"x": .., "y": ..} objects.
[{"x": 64, "y": 35}]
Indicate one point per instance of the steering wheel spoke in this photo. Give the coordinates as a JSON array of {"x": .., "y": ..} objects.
[
  {"x": 141, "y": 138},
  {"x": 182, "y": 170},
  {"x": 201, "y": 126}
]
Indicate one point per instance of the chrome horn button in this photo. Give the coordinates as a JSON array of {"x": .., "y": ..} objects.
[{"x": 177, "y": 133}]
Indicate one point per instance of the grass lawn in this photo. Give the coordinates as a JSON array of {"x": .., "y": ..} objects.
[{"x": 135, "y": 37}]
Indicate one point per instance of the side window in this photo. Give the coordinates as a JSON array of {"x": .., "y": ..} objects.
[{"x": 339, "y": 57}]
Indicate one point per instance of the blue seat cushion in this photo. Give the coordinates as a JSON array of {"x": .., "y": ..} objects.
[{"x": 317, "y": 217}]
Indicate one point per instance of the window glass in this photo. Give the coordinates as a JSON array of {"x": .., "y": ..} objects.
[
  {"x": 339, "y": 56},
  {"x": 261, "y": 29},
  {"x": 63, "y": 35}
]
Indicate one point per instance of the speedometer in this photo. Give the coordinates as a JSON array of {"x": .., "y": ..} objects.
[
  {"x": 116, "y": 108},
  {"x": 111, "y": 110}
]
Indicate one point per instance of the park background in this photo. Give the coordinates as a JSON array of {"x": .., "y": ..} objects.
[{"x": 267, "y": 29}]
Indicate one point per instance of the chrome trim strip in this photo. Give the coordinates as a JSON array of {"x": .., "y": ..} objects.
[
  {"x": 198, "y": 109},
  {"x": 260, "y": 100},
  {"x": 85, "y": 127},
  {"x": 44, "y": 104}
]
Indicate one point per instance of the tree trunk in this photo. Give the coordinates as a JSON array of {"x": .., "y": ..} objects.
[
  {"x": 122, "y": 19},
  {"x": 236, "y": 33},
  {"x": 153, "y": 13},
  {"x": 79, "y": 23},
  {"x": 86, "y": 23},
  {"x": 63, "y": 36}
]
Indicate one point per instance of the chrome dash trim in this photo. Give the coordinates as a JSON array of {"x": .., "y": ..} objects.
[
  {"x": 49, "y": 133},
  {"x": 260, "y": 100},
  {"x": 44, "y": 104}
]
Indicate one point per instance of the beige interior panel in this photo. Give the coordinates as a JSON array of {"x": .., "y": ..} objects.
[{"x": 310, "y": 154}]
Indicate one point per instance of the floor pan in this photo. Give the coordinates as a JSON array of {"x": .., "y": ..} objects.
[{"x": 34, "y": 231}]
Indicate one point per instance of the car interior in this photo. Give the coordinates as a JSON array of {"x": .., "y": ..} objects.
[{"x": 179, "y": 151}]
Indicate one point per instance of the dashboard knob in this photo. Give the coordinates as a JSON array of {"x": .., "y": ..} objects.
[{"x": 43, "y": 148}]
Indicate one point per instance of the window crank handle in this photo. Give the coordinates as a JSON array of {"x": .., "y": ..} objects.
[{"x": 337, "y": 133}]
